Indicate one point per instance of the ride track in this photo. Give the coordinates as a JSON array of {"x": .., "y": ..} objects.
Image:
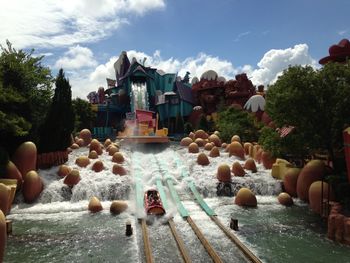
[{"x": 184, "y": 214}]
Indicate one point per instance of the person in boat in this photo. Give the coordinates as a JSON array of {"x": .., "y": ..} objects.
[{"x": 153, "y": 198}]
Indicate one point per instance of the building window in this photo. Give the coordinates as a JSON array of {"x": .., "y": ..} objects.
[{"x": 174, "y": 100}]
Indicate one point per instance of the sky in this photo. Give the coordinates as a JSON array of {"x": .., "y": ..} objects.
[{"x": 260, "y": 38}]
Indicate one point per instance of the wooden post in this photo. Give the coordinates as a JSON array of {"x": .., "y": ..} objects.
[{"x": 346, "y": 137}]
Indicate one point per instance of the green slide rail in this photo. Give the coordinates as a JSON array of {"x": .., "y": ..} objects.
[
  {"x": 192, "y": 186},
  {"x": 138, "y": 186}
]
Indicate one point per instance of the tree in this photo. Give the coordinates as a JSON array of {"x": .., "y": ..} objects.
[
  {"x": 55, "y": 133},
  {"x": 25, "y": 93},
  {"x": 316, "y": 102},
  {"x": 203, "y": 123},
  {"x": 84, "y": 115},
  {"x": 233, "y": 121}
]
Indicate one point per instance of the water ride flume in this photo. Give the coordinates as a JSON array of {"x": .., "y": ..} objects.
[
  {"x": 142, "y": 127},
  {"x": 153, "y": 203}
]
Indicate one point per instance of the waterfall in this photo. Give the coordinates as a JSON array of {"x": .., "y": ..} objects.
[{"x": 139, "y": 95}]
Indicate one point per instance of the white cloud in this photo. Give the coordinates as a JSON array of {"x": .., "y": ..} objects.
[
  {"x": 269, "y": 67},
  {"x": 241, "y": 35},
  {"x": 276, "y": 60},
  {"x": 48, "y": 23},
  {"x": 342, "y": 32},
  {"x": 76, "y": 57}
]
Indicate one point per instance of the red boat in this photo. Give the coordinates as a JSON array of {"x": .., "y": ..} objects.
[{"x": 153, "y": 204}]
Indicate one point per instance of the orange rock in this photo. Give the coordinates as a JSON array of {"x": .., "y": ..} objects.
[
  {"x": 315, "y": 195},
  {"x": 25, "y": 157},
  {"x": 290, "y": 181},
  {"x": 118, "y": 207},
  {"x": 250, "y": 165},
  {"x": 215, "y": 139},
  {"x": 85, "y": 134},
  {"x": 224, "y": 173},
  {"x": 193, "y": 148},
  {"x": 82, "y": 161},
  {"x": 95, "y": 205},
  {"x": 118, "y": 158},
  {"x": 224, "y": 145},
  {"x": 235, "y": 138},
  {"x": 93, "y": 155},
  {"x": 63, "y": 170},
  {"x": 247, "y": 148},
  {"x": 208, "y": 146},
  {"x": 3, "y": 235},
  {"x": 245, "y": 197},
  {"x": 200, "y": 142},
  {"x": 13, "y": 173},
  {"x": 74, "y": 146},
  {"x": 237, "y": 169},
  {"x": 186, "y": 141},
  {"x": 285, "y": 199},
  {"x": 217, "y": 133},
  {"x": 236, "y": 149},
  {"x": 112, "y": 150},
  {"x": 95, "y": 145},
  {"x": 72, "y": 178},
  {"x": 200, "y": 134},
  {"x": 214, "y": 152},
  {"x": 80, "y": 142},
  {"x": 118, "y": 169},
  {"x": 267, "y": 160},
  {"x": 32, "y": 186},
  {"x": 5, "y": 193},
  {"x": 312, "y": 171},
  {"x": 97, "y": 166},
  {"x": 202, "y": 159},
  {"x": 107, "y": 142},
  {"x": 192, "y": 136}
]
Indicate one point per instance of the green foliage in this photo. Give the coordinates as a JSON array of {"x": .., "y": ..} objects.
[
  {"x": 84, "y": 115},
  {"x": 179, "y": 124},
  {"x": 203, "y": 123},
  {"x": 25, "y": 93},
  {"x": 232, "y": 121},
  {"x": 188, "y": 127},
  {"x": 316, "y": 102},
  {"x": 55, "y": 133}
]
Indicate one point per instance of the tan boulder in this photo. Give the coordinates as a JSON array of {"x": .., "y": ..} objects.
[
  {"x": 285, "y": 199},
  {"x": 95, "y": 205},
  {"x": 32, "y": 186},
  {"x": 98, "y": 166},
  {"x": 224, "y": 145},
  {"x": 95, "y": 145},
  {"x": 3, "y": 236},
  {"x": 118, "y": 206},
  {"x": 279, "y": 168},
  {"x": 236, "y": 149},
  {"x": 202, "y": 159},
  {"x": 192, "y": 136},
  {"x": 82, "y": 161},
  {"x": 118, "y": 169},
  {"x": 316, "y": 196},
  {"x": 72, "y": 178},
  {"x": 112, "y": 150},
  {"x": 107, "y": 143},
  {"x": 313, "y": 171},
  {"x": 200, "y": 134},
  {"x": 247, "y": 148},
  {"x": 237, "y": 169},
  {"x": 74, "y": 146},
  {"x": 63, "y": 170},
  {"x": 200, "y": 142},
  {"x": 25, "y": 157},
  {"x": 215, "y": 139},
  {"x": 93, "y": 155},
  {"x": 224, "y": 173},
  {"x": 217, "y": 133},
  {"x": 193, "y": 148},
  {"x": 13, "y": 173},
  {"x": 80, "y": 142},
  {"x": 250, "y": 165},
  {"x": 118, "y": 157},
  {"x": 186, "y": 141},
  {"x": 245, "y": 197},
  {"x": 208, "y": 146},
  {"x": 267, "y": 159},
  {"x": 290, "y": 181},
  {"x": 85, "y": 134},
  {"x": 235, "y": 138},
  {"x": 214, "y": 152}
]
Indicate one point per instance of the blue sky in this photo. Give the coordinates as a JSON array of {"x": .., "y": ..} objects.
[{"x": 258, "y": 37}]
